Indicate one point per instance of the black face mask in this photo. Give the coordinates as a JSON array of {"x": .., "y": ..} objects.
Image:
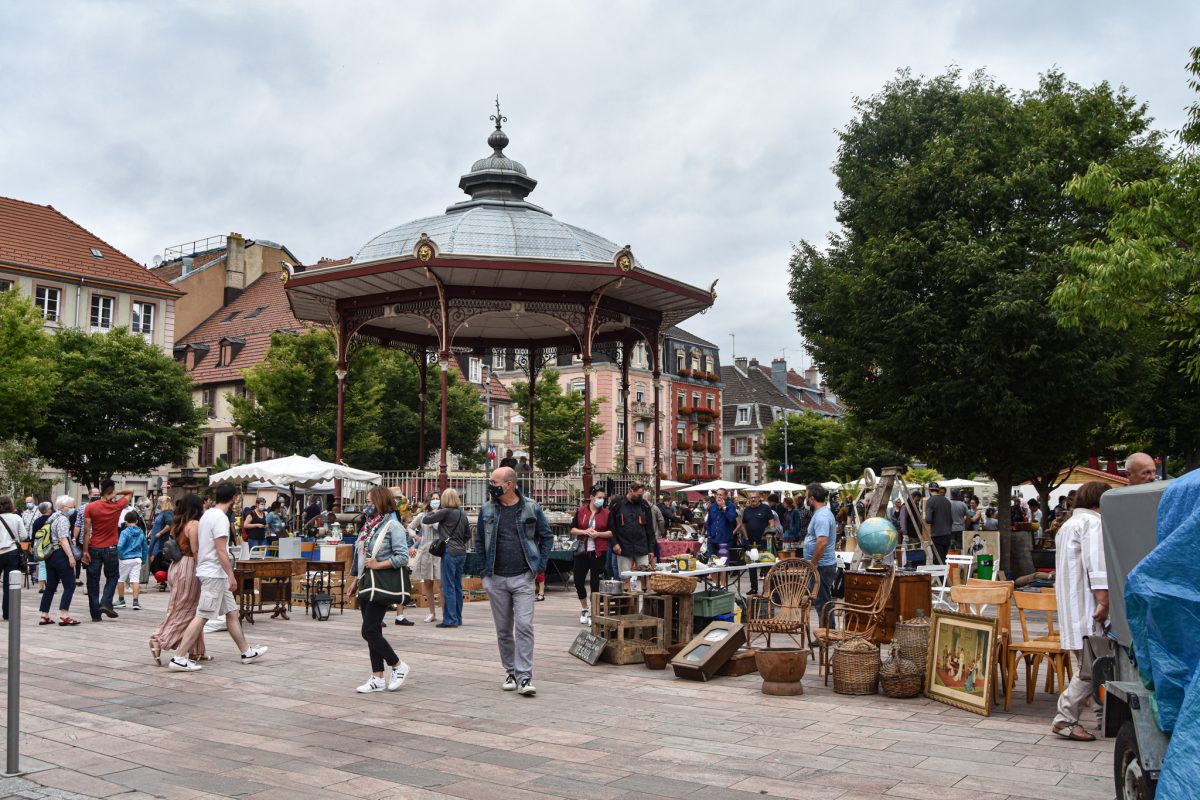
[{"x": 495, "y": 491}]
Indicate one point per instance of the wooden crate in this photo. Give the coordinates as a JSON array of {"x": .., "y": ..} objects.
[
  {"x": 740, "y": 663},
  {"x": 613, "y": 605},
  {"x": 677, "y": 613},
  {"x": 474, "y": 595},
  {"x": 628, "y": 636}
]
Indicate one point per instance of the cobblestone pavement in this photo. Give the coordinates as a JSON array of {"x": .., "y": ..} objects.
[{"x": 100, "y": 720}]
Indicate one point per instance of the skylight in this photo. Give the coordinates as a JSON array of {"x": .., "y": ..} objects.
[
  {"x": 96, "y": 253},
  {"x": 255, "y": 312},
  {"x": 232, "y": 316}
]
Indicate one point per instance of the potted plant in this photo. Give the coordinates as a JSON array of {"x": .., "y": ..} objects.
[
  {"x": 685, "y": 373},
  {"x": 714, "y": 377}
]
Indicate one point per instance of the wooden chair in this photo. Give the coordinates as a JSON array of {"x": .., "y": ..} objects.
[
  {"x": 842, "y": 621},
  {"x": 974, "y": 598},
  {"x": 788, "y": 592},
  {"x": 1035, "y": 650}
]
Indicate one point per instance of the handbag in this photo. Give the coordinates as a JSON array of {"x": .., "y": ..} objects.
[
  {"x": 171, "y": 551},
  {"x": 24, "y": 560},
  {"x": 384, "y": 587}
]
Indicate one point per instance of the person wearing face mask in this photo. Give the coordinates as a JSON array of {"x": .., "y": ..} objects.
[
  {"x": 591, "y": 546},
  {"x": 633, "y": 527},
  {"x": 515, "y": 539},
  {"x": 455, "y": 531},
  {"x": 819, "y": 545},
  {"x": 28, "y": 515},
  {"x": 427, "y": 567}
]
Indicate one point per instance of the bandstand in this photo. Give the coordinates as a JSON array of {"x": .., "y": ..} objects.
[{"x": 496, "y": 271}]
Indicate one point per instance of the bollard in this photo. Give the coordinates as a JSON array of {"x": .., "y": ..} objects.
[{"x": 15, "y": 580}]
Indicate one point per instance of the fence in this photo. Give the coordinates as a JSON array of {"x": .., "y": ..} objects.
[{"x": 555, "y": 491}]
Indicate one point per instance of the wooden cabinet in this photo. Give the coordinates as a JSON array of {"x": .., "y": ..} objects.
[{"x": 909, "y": 593}]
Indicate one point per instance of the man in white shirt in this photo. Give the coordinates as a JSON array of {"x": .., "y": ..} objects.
[{"x": 214, "y": 570}]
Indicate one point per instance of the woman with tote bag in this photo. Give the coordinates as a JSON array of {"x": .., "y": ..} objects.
[{"x": 382, "y": 582}]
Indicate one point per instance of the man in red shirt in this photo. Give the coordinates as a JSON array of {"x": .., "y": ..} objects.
[{"x": 100, "y": 532}]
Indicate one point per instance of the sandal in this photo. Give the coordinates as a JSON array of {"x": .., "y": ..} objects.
[
  {"x": 45, "y": 621},
  {"x": 540, "y": 597},
  {"x": 68, "y": 621},
  {"x": 155, "y": 651},
  {"x": 1075, "y": 733}
]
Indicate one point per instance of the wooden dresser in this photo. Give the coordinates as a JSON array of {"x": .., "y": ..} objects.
[{"x": 909, "y": 593}]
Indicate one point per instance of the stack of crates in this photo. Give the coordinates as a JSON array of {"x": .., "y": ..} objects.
[
  {"x": 676, "y": 612},
  {"x": 628, "y": 636}
]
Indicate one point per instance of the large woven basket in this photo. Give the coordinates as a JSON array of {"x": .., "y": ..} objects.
[
  {"x": 856, "y": 667},
  {"x": 899, "y": 677},
  {"x": 912, "y": 637},
  {"x": 665, "y": 583}
]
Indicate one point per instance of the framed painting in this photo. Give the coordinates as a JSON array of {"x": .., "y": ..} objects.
[
  {"x": 961, "y": 669},
  {"x": 981, "y": 543}
]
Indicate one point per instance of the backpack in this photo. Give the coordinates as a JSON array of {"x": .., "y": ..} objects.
[{"x": 44, "y": 543}]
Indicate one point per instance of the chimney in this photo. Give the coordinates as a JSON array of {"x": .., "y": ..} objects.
[
  {"x": 811, "y": 376},
  {"x": 754, "y": 363},
  {"x": 742, "y": 363},
  {"x": 779, "y": 374},
  {"x": 235, "y": 267}
]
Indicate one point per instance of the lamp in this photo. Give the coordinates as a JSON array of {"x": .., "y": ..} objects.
[{"x": 321, "y": 606}]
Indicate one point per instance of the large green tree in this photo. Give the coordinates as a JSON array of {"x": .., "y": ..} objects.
[
  {"x": 928, "y": 311},
  {"x": 116, "y": 404},
  {"x": 820, "y": 448},
  {"x": 25, "y": 351},
  {"x": 558, "y": 422},
  {"x": 292, "y": 404}
]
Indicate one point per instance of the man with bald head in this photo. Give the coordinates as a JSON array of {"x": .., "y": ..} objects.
[
  {"x": 515, "y": 539},
  {"x": 1140, "y": 468}
]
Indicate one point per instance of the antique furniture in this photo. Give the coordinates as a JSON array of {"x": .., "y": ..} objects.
[
  {"x": 705, "y": 654},
  {"x": 907, "y": 594},
  {"x": 324, "y": 577},
  {"x": 974, "y": 599},
  {"x": 1034, "y": 650},
  {"x": 788, "y": 594},
  {"x": 261, "y": 581},
  {"x": 860, "y": 614}
]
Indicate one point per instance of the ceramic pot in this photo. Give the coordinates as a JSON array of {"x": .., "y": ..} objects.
[{"x": 782, "y": 670}]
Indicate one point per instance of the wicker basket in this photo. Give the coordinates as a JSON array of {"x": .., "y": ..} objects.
[
  {"x": 899, "y": 677},
  {"x": 665, "y": 583},
  {"x": 856, "y": 667},
  {"x": 912, "y": 637}
]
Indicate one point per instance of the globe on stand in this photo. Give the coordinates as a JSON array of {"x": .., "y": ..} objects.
[{"x": 877, "y": 538}]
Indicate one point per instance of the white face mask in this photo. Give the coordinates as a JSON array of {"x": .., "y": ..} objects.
[{"x": 435, "y": 503}]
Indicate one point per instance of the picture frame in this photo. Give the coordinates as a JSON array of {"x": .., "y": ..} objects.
[
  {"x": 961, "y": 663},
  {"x": 981, "y": 543}
]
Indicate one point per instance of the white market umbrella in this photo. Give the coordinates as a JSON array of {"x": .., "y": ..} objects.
[
  {"x": 832, "y": 486},
  {"x": 671, "y": 486},
  {"x": 959, "y": 483},
  {"x": 781, "y": 486},
  {"x": 712, "y": 486},
  {"x": 295, "y": 471}
]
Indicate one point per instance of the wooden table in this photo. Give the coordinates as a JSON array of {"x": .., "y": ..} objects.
[
  {"x": 910, "y": 592},
  {"x": 260, "y": 580}
]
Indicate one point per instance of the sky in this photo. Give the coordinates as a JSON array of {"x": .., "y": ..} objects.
[{"x": 700, "y": 133}]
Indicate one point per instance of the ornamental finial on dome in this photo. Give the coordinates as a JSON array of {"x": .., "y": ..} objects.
[{"x": 498, "y": 139}]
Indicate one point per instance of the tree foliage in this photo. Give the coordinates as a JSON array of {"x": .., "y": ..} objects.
[
  {"x": 115, "y": 404},
  {"x": 25, "y": 352},
  {"x": 820, "y": 447},
  {"x": 558, "y": 422},
  {"x": 928, "y": 311},
  {"x": 292, "y": 404}
]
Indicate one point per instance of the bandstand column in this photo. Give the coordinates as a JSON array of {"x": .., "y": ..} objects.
[
  {"x": 443, "y": 472},
  {"x": 625, "y": 350},
  {"x": 343, "y": 337},
  {"x": 656, "y": 364},
  {"x": 587, "y": 423}
]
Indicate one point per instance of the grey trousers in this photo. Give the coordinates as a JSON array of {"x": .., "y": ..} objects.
[{"x": 511, "y": 599}]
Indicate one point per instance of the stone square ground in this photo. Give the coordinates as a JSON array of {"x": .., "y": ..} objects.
[{"x": 100, "y": 720}]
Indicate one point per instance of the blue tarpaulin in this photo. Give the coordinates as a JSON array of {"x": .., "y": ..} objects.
[{"x": 1162, "y": 599}]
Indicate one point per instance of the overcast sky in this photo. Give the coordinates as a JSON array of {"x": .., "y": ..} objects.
[{"x": 700, "y": 133}]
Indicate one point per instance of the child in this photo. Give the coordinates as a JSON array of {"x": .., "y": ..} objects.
[{"x": 133, "y": 548}]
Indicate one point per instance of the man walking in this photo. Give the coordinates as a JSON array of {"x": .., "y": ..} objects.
[
  {"x": 958, "y": 518},
  {"x": 516, "y": 540},
  {"x": 757, "y": 520},
  {"x": 632, "y": 523},
  {"x": 819, "y": 544},
  {"x": 940, "y": 517},
  {"x": 101, "y": 528},
  {"x": 214, "y": 570}
]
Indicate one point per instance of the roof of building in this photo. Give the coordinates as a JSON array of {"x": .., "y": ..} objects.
[
  {"x": 41, "y": 237},
  {"x": 808, "y": 395},
  {"x": 172, "y": 270},
  {"x": 257, "y": 313},
  {"x": 750, "y": 388},
  {"x": 679, "y": 334}
]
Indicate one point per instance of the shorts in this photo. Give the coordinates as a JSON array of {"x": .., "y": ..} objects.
[
  {"x": 129, "y": 570},
  {"x": 215, "y": 599}
]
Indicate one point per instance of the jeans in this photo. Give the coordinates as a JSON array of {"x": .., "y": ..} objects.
[
  {"x": 253, "y": 543},
  {"x": 452, "y": 596},
  {"x": 828, "y": 576},
  {"x": 511, "y": 599},
  {"x": 9, "y": 562},
  {"x": 942, "y": 545},
  {"x": 58, "y": 571},
  {"x": 586, "y": 563},
  {"x": 372, "y": 632},
  {"x": 102, "y": 558},
  {"x": 610, "y": 566}
]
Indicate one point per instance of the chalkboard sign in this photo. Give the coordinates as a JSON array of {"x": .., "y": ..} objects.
[{"x": 588, "y": 647}]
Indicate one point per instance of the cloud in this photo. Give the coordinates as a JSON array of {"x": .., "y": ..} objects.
[{"x": 700, "y": 133}]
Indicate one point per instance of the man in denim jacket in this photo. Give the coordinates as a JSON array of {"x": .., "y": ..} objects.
[{"x": 515, "y": 539}]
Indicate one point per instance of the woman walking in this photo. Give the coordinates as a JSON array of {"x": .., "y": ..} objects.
[
  {"x": 381, "y": 560},
  {"x": 12, "y": 531},
  {"x": 591, "y": 548},
  {"x": 426, "y": 566},
  {"x": 185, "y": 588},
  {"x": 455, "y": 530},
  {"x": 59, "y": 558}
]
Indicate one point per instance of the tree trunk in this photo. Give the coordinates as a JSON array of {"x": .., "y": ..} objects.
[{"x": 1004, "y": 516}]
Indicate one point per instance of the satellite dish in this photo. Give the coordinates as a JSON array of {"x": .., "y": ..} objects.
[{"x": 157, "y": 260}]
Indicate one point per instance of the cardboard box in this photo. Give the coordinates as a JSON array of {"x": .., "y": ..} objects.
[{"x": 472, "y": 584}]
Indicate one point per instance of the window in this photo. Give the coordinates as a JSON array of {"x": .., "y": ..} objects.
[
  {"x": 102, "y": 313},
  {"x": 712, "y": 470},
  {"x": 498, "y": 359},
  {"x": 741, "y": 447},
  {"x": 208, "y": 400},
  {"x": 743, "y": 474},
  {"x": 620, "y": 431},
  {"x": 577, "y": 385},
  {"x": 231, "y": 316},
  {"x": 5, "y": 285},
  {"x": 743, "y": 415},
  {"x": 475, "y": 368},
  {"x": 712, "y": 437},
  {"x": 680, "y": 361},
  {"x": 639, "y": 432},
  {"x": 46, "y": 299},
  {"x": 96, "y": 252},
  {"x": 704, "y": 362},
  {"x": 639, "y": 394},
  {"x": 709, "y": 401},
  {"x": 682, "y": 398},
  {"x": 255, "y": 312},
  {"x": 497, "y": 417},
  {"x": 143, "y": 320},
  {"x": 640, "y": 357},
  {"x": 680, "y": 470},
  {"x": 204, "y": 458},
  {"x": 639, "y": 466},
  {"x": 695, "y": 399},
  {"x": 243, "y": 391},
  {"x": 695, "y": 360}
]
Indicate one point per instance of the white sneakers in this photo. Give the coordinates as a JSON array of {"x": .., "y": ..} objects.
[
  {"x": 510, "y": 683},
  {"x": 585, "y": 617},
  {"x": 526, "y": 688},
  {"x": 253, "y": 653},
  {"x": 183, "y": 665},
  {"x": 395, "y": 680}
]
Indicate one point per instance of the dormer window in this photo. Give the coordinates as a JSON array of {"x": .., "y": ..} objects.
[
  {"x": 230, "y": 347},
  {"x": 743, "y": 415}
]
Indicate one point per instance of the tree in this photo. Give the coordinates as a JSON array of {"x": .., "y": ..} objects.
[
  {"x": 820, "y": 447},
  {"x": 116, "y": 404},
  {"x": 292, "y": 404},
  {"x": 26, "y": 381},
  {"x": 1142, "y": 274},
  {"x": 558, "y": 421},
  {"x": 21, "y": 470},
  {"x": 929, "y": 310}
]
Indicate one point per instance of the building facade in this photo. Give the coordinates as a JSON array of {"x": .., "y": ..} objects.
[
  {"x": 691, "y": 367},
  {"x": 752, "y": 401}
]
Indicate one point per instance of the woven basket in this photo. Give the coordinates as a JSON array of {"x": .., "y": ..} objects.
[
  {"x": 856, "y": 667},
  {"x": 664, "y": 583},
  {"x": 899, "y": 677},
  {"x": 912, "y": 637}
]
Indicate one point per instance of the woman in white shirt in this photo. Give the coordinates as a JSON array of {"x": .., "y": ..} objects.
[{"x": 12, "y": 531}]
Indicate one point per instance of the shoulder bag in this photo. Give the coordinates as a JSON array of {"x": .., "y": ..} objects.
[
  {"x": 16, "y": 540},
  {"x": 384, "y": 587}
]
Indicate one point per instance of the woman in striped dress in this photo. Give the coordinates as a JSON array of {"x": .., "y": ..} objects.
[{"x": 185, "y": 588}]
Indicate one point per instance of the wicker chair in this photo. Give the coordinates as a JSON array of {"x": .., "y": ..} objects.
[
  {"x": 788, "y": 593},
  {"x": 843, "y": 620}
]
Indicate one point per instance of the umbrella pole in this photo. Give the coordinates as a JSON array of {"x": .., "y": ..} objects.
[{"x": 292, "y": 488}]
